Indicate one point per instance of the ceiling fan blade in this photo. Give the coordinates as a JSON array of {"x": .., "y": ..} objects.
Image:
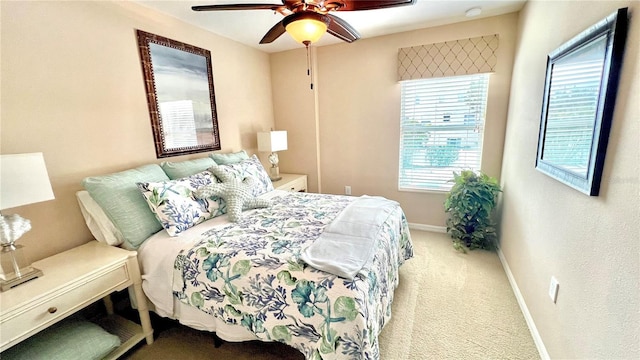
[
  {"x": 273, "y": 33},
  {"x": 237, "y": 7},
  {"x": 342, "y": 30},
  {"x": 356, "y": 5}
]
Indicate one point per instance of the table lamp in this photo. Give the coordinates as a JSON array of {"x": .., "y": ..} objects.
[
  {"x": 273, "y": 141},
  {"x": 23, "y": 180}
]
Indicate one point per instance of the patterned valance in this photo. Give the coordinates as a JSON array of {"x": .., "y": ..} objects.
[{"x": 458, "y": 57}]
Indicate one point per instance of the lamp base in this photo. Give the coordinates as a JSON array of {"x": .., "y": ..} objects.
[
  {"x": 28, "y": 273},
  {"x": 274, "y": 173}
]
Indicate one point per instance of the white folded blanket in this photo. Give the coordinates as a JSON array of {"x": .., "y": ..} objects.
[{"x": 348, "y": 242}]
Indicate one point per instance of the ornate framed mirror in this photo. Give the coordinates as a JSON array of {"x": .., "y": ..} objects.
[{"x": 180, "y": 95}]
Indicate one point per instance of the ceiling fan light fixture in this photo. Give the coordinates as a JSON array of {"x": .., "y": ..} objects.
[{"x": 306, "y": 27}]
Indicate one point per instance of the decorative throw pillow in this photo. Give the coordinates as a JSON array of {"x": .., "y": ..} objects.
[
  {"x": 180, "y": 169},
  {"x": 251, "y": 167},
  {"x": 175, "y": 205},
  {"x": 237, "y": 194},
  {"x": 229, "y": 158},
  {"x": 120, "y": 199},
  {"x": 68, "y": 339}
]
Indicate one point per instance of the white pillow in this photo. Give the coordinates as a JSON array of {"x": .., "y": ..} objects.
[{"x": 99, "y": 224}]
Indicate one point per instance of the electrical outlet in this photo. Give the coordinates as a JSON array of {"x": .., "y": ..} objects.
[
  {"x": 553, "y": 289},
  {"x": 347, "y": 190}
]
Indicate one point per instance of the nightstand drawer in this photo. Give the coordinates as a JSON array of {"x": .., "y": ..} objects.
[
  {"x": 291, "y": 182},
  {"x": 297, "y": 185},
  {"x": 61, "y": 303}
]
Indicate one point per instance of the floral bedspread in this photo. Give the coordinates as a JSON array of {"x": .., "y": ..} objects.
[{"x": 248, "y": 274}]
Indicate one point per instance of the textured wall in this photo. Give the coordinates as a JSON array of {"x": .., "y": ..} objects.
[
  {"x": 72, "y": 88},
  {"x": 590, "y": 244}
]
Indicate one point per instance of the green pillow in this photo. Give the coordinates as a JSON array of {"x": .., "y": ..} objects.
[
  {"x": 69, "y": 339},
  {"x": 182, "y": 169},
  {"x": 119, "y": 197},
  {"x": 229, "y": 158}
]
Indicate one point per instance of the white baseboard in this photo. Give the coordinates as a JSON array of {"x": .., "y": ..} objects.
[
  {"x": 424, "y": 227},
  {"x": 544, "y": 355}
]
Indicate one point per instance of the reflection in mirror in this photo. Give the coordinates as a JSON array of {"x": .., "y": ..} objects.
[
  {"x": 573, "y": 103},
  {"x": 179, "y": 84},
  {"x": 577, "y": 108}
]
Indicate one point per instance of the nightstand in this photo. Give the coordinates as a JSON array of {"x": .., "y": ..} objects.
[
  {"x": 72, "y": 280},
  {"x": 291, "y": 182}
]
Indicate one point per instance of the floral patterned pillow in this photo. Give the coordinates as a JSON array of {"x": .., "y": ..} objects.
[
  {"x": 175, "y": 205},
  {"x": 251, "y": 167}
]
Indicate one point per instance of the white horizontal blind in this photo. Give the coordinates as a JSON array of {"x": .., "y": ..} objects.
[
  {"x": 179, "y": 124},
  {"x": 570, "y": 121},
  {"x": 441, "y": 128}
]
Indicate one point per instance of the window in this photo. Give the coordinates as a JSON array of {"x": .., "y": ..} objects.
[
  {"x": 441, "y": 129},
  {"x": 469, "y": 119}
]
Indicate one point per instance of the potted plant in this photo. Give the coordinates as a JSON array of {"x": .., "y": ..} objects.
[{"x": 470, "y": 204}]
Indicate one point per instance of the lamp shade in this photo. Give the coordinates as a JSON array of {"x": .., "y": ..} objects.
[
  {"x": 272, "y": 141},
  {"x": 23, "y": 180},
  {"x": 306, "y": 27}
]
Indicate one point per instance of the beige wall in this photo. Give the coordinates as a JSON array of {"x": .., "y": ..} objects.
[
  {"x": 358, "y": 111},
  {"x": 590, "y": 244},
  {"x": 72, "y": 88},
  {"x": 295, "y": 108}
]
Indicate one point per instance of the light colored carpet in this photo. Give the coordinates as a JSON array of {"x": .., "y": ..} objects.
[
  {"x": 448, "y": 305},
  {"x": 451, "y": 305}
]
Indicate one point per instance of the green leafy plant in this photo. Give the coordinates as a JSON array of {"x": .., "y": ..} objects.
[{"x": 469, "y": 205}]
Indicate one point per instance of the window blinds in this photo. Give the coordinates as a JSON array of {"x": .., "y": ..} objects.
[{"x": 442, "y": 124}]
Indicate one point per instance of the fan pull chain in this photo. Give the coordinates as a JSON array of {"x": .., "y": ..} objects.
[{"x": 309, "y": 65}]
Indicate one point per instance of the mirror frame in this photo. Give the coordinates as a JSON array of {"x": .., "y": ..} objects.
[
  {"x": 614, "y": 27},
  {"x": 144, "y": 40}
]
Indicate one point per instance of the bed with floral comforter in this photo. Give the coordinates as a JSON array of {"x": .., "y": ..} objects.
[{"x": 249, "y": 274}]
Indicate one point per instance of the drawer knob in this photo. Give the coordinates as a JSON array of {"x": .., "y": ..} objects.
[{"x": 52, "y": 309}]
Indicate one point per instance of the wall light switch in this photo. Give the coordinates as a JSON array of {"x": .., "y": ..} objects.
[
  {"x": 553, "y": 289},
  {"x": 347, "y": 190}
]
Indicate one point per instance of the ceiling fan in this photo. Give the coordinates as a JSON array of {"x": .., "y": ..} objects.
[{"x": 307, "y": 20}]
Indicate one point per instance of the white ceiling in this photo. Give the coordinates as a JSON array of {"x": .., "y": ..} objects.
[{"x": 249, "y": 26}]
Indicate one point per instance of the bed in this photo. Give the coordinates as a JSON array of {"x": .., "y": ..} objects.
[{"x": 247, "y": 280}]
